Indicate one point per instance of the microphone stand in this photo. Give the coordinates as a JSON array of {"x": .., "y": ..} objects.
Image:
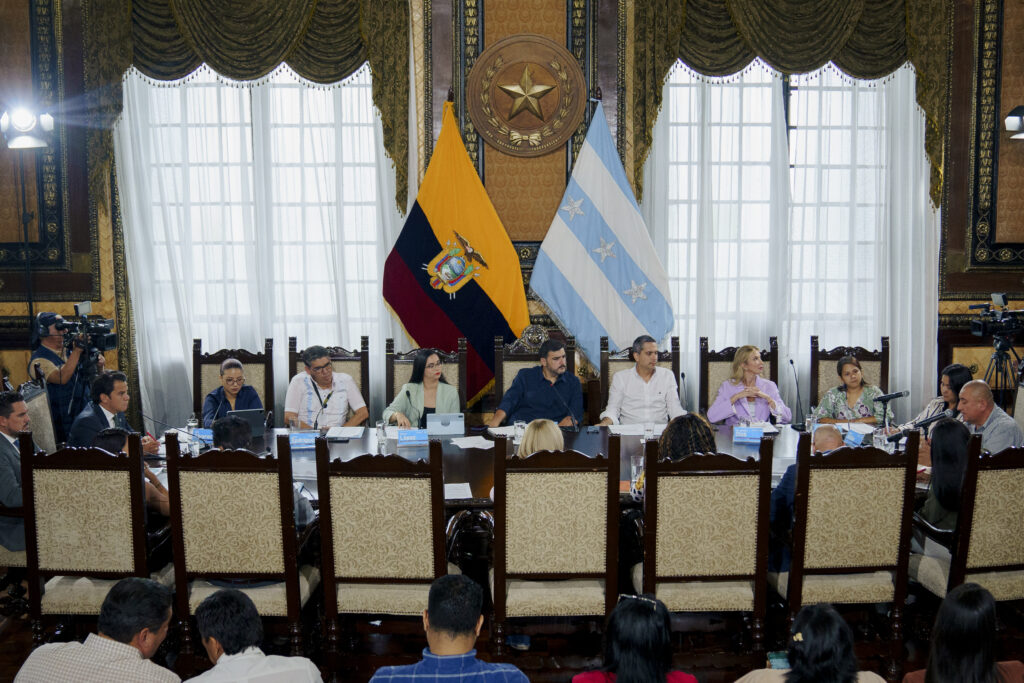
[{"x": 798, "y": 423}]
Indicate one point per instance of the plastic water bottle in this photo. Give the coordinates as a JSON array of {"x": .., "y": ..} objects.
[
  {"x": 191, "y": 426},
  {"x": 382, "y": 437}
]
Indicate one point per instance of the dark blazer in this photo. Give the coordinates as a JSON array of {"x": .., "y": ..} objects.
[
  {"x": 216, "y": 404},
  {"x": 12, "y": 529},
  {"x": 90, "y": 422}
]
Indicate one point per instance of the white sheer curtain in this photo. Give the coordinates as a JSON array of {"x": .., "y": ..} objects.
[
  {"x": 251, "y": 211},
  {"x": 819, "y": 225}
]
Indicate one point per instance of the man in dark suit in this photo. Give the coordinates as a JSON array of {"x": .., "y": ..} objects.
[
  {"x": 13, "y": 419},
  {"x": 109, "y": 401}
]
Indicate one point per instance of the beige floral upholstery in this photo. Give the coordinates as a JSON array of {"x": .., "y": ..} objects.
[
  {"x": 85, "y": 595},
  {"x": 382, "y": 527},
  {"x": 707, "y": 526},
  {"x": 83, "y": 520},
  {"x": 11, "y": 558},
  {"x": 996, "y": 531},
  {"x": 853, "y": 517},
  {"x": 511, "y": 368},
  {"x": 391, "y": 598},
  {"x": 231, "y": 522},
  {"x": 255, "y": 376},
  {"x": 827, "y": 377},
  {"x": 270, "y": 601},
  {"x": 556, "y": 523},
  {"x": 700, "y": 596},
  {"x": 41, "y": 419},
  {"x": 839, "y": 588},
  {"x": 570, "y": 597},
  {"x": 933, "y": 574},
  {"x": 403, "y": 371}
]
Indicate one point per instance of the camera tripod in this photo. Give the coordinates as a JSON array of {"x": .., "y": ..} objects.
[{"x": 1001, "y": 374}]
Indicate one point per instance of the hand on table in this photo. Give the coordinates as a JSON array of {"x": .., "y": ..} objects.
[
  {"x": 401, "y": 420},
  {"x": 150, "y": 445}
]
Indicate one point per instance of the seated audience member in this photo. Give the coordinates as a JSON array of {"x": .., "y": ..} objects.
[
  {"x": 133, "y": 622},
  {"x": 646, "y": 393},
  {"x": 998, "y": 430},
  {"x": 452, "y": 623},
  {"x": 963, "y": 648},
  {"x": 234, "y": 433},
  {"x": 747, "y": 396},
  {"x": 949, "y": 462},
  {"x": 638, "y": 643},
  {"x": 109, "y": 401},
  {"x": 232, "y": 394},
  {"x": 854, "y": 399},
  {"x": 13, "y": 419},
  {"x": 545, "y": 391},
  {"x": 321, "y": 397},
  {"x": 820, "y": 649},
  {"x": 825, "y": 438},
  {"x": 114, "y": 440},
  {"x": 541, "y": 435},
  {"x": 686, "y": 435},
  {"x": 951, "y": 381},
  {"x": 231, "y": 631},
  {"x": 426, "y": 392}
]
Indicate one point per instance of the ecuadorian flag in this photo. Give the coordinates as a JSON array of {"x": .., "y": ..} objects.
[{"x": 453, "y": 271}]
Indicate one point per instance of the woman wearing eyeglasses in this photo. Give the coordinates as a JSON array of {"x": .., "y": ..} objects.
[
  {"x": 232, "y": 394},
  {"x": 426, "y": 392}
]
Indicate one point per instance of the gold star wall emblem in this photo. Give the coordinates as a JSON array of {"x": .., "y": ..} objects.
[{"x": 526, "y": 95}]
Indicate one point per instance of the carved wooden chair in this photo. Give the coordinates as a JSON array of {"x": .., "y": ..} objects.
[
  {"x": 716, "y": 367},
  {"x": 353, "y": 363},
  {"x": 987, "y": 546},
  {"x": 556, "y": 535},
  {"x": 382, "y": 534},
  {"x": 874, "y": 365},
  {"x": 851, "y": 537},
  {"x": 232, "y": 517},
  {"x": 618, "y": 361},
  {"x": 399, "y": 369},
  {"x": 85, "y": 528},
  {"x": 509, "y": 359},
  {"x": 38, "y": 401},
  {"x": 706, "y": 533},
  {"x": 257, "y": 367}
]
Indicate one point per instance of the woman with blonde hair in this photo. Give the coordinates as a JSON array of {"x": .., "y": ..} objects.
[
  {"x": 746, "y": 396},
  {"x": 541, "y": 435}
]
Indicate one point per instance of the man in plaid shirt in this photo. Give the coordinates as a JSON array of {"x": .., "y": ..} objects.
[{"x": 452, "y": 621}]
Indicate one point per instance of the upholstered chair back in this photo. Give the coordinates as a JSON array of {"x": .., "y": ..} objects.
[
  {"x": 258, "y": 368},
  {"x": 41, "y": 419},
  {"x": 996, "y": 527}
]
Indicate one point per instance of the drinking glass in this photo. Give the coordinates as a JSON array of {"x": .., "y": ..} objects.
[
  {"x": 809, "y": 423},
  {"x": 518, "y": 429},
  {"x": 382, "y": 436}
]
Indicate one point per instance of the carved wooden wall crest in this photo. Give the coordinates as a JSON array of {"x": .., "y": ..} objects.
[{"x": 526, "y": 95}]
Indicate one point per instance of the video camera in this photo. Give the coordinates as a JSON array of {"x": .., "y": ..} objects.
[
  {"x": 994, "y": 320},
  {"x": 94, "y": 336}
]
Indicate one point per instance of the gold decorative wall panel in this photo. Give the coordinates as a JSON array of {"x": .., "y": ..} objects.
[
  {"x": 1010, "y": 183},
  {"x": 16, "y": 77}
]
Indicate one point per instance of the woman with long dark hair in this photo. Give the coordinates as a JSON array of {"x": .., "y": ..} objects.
[
  {"x": 820, "y": 651},
  {"x": 951, "y": 380},
  {"x": 949, "y": 461},
  {"x": 686, "y": 435},
  {"x": 426, "y": 392},
  {"x": 638, "y": 645},
  {"x": 964, "y": 642}
]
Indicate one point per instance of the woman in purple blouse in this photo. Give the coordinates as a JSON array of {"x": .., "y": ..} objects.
[{"x": 746, "y": 396}]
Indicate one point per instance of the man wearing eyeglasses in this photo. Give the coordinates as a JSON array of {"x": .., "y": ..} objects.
[{"x": 320, "y": 397}]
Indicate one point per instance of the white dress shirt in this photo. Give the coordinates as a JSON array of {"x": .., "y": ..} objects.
[
  {"x": 631, "y": 400},
  {"x": 252, "y": 666},
  {"x": 109, "y": 415}
]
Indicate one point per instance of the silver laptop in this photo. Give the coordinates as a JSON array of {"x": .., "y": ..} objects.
[
  {"x": 445, "y": 424},
  {"x": 256, "y": 418}
]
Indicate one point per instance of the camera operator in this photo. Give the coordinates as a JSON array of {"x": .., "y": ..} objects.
[{"x": 50, "y": 353}]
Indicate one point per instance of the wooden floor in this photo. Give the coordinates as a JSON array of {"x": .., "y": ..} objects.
[{"x": 709, "y": 647}]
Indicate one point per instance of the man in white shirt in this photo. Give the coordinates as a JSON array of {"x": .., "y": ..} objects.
[
  {"x": 231, "y": 631},
  {"x": 133, "y": 622},
  {"x": 320, "y": 397},
  {"x": 645, "y": 394}
]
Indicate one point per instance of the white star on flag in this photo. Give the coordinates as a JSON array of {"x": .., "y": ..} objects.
[
  {"x": 605, "y": 250},
  {"x": 636, "y": 291},
  {"x": 572, "y": 207}
]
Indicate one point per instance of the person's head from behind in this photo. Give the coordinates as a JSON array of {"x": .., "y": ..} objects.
[
  {"x": 949, "y": 439},
  {"x": 136, "y": 612},
  {"x": 963, "y": 637},
  {"x": 821, "y": 647},
  {"x": 112, "y": 440},
  {"x": 453, "y": 616},
  {"x": 110, "y": 390},
  {"x": 552, "y": 357},
  {"x": 231, "y": 433},
  {"x": 952, "y": 380},
  {"x": 426, "y": 364},
  {"x": 638, "y": 640},
  {"x": 14, "y": 416},
  {"x": 228, "y": 623},
  {"x": 826, "y": 438},
  {"x": 686, "y": 435},
  {"x": 746, "y": 359},
  {"x": 849, "y": 371},
  {"x": 541, "y": 435}
]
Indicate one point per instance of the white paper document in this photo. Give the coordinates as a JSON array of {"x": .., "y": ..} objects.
[
  {"x": 634, "y": 430},
  {"x": 345, "y": 433},
  {"x": 501, "y": 431},
  {"x": 472, "y": 442},
  {"x": 768, "y": 427},
  {"x": 457, "y": 491},
  {"x": 391, "y": 431}
]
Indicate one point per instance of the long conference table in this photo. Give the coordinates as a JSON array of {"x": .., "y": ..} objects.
[{"x": 475, "y": 466}]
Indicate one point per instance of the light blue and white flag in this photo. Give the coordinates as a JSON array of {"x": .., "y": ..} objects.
[{"x": 597, "y": 269}]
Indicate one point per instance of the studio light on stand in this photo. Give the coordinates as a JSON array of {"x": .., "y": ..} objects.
[
  {"x": 24, "y": 130},
  {"x": 1015, "y": 122}
]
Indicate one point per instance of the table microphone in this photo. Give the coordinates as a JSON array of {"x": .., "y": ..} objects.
[
  {"x": 799, "y": 410},
  {"x": 885, "y": 398},
  {"x": 323, "y": 405},
  {"x": 572, "y": 418},
  {"x": 682, "y": 376},
  {"x": 190, "y": 437},
  {"x": 949, "y": 412}
]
